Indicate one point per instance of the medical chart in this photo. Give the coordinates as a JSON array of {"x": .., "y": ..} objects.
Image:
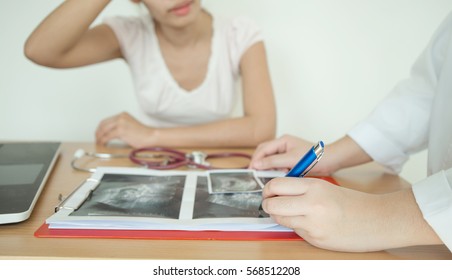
[{"x": 142, "y": 199}]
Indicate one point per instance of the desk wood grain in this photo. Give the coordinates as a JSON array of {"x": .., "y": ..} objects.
[{"x": 18, "y": 242}]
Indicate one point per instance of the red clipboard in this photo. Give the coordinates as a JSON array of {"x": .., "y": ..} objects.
[{"x": 45, "y": 232}]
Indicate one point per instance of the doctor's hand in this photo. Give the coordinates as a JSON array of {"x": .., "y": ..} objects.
[
  {"x": 281, "y": 153},
  {"x": 341, "y": 219},
  {"x": 126, "y": 128}
]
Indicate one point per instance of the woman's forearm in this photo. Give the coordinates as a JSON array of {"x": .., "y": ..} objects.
[
  {"x": 237, "y": 132},
  {"x": 62, "y": 29}
]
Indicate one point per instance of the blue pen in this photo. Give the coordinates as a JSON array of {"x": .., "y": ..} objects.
[
  {"x": 308, "y": 161},
  {"x": 303, "y": 166}
]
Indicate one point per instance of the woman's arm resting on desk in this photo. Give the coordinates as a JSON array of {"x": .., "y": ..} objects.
[
  {"x": 257, "y": 125},
  {"x": 342, "y": 219},
  {"x": 284, "y": 152}
]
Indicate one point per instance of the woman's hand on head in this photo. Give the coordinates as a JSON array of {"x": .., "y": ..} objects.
[{"x": 126, "y": 128}]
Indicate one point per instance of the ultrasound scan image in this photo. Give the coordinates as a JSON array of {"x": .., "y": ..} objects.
[
  {"x": 135, "y": 196},
  {"x": 229, "y": 205},
  {"x": 234, "y": 182}
]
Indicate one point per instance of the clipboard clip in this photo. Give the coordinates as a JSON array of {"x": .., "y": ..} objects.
[{"x": 62, "y": 200}]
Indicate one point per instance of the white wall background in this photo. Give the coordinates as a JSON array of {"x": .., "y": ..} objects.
[{"x": 331, "y": 62}]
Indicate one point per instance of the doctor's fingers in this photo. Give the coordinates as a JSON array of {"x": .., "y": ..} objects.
[
  {"x": 286, "y": 206},
  {"x": 276, "y": 161},
  {"x": 266, "y": 149},
  {"x": 300, "y": 224},
  {"x": 288, "y": 186}
]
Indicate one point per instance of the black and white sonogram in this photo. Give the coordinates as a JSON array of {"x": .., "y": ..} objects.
[
  {"x": 135, "y": 196},
  {"x": 229, "y": 182},
  {"x": 225, "y": 205}
]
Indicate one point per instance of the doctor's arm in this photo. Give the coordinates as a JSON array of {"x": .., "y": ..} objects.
[
  {"x": 342, "y": 219},
  {"x": 284, "y": 152},
  {"x": 387, "y": 136},
  {"x": 257, "y": 125}
]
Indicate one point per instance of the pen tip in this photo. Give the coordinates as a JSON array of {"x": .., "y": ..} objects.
[{"x": 321, "y": 144}]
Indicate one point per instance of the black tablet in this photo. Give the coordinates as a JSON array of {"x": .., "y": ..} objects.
[{"x": 24, "y": 168}]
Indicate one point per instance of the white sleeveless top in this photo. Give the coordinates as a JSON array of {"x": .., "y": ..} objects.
[{"x": 163, "y": 102}]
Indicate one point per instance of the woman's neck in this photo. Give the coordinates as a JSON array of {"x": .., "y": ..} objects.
[{"x": 191, "y": 34}]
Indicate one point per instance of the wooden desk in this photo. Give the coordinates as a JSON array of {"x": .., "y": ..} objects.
[{"x": 17, "y": 240}]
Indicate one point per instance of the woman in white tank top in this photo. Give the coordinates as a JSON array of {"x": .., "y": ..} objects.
[{"x": 186, "y": 65}]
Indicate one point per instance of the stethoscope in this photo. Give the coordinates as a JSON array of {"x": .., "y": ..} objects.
[{"x": 159, "y": 158}]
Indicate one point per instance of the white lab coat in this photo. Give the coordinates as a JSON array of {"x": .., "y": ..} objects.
[{"x": 416, "y": 115}]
